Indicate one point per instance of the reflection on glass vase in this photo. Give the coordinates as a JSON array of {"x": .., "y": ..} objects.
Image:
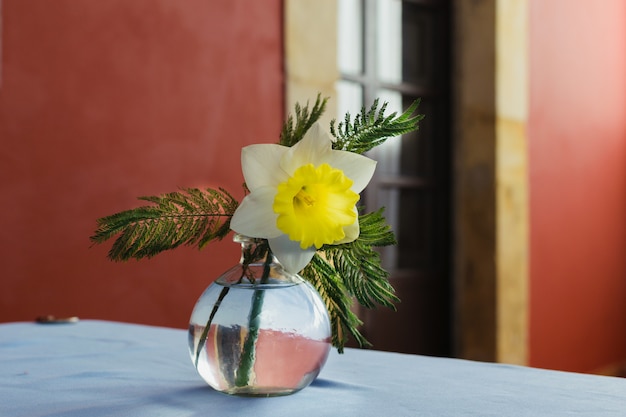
[{"x": 259, "y": 330}]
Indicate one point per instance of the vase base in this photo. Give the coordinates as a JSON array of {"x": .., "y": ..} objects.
[{"x": 260, "y": 391}]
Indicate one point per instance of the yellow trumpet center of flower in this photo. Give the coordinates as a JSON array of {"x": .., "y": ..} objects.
[{"x": 315, "y": 205}]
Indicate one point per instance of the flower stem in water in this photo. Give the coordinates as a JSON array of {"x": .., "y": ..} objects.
[
  {"x": 205, "y": 331},
  {"x": 248, "y": 354}
]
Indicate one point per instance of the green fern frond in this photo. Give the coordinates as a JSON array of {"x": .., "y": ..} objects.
[
  {"x": 191, "y": 217},
  {"x": 359, "y": 264},
  {"x": 374, "y": 230},
  {"x": 292, "y": 131},
  {"x": 353, "y": 269},
  {"x": 328, "y": 283},
  {"x": 371, "y": 128}
]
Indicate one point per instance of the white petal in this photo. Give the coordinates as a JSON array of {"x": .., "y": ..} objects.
[
  {"x": 261, "y": 165},
  {"x": 352, "y": 233},
  {"x": 255, "y": 217},
  {"x": 314, "y": 148},
  {"x": 357, "y": 167},
  {"x": 289, "y": 253}
]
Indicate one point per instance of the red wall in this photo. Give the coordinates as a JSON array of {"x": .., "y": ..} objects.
[
  {"x": 104, "y": 101},
  {"x": 577, "y": 133}
]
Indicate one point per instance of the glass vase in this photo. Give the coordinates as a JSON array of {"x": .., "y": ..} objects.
[{"x": 258, "y": 330}]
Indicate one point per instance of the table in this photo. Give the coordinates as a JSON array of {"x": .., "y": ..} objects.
[{"x": 99, "y": 368}]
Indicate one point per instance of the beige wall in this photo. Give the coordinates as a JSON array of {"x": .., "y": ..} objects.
[
  {"x": 491, "y": 208},
  {"x": 311, "y": 53}
]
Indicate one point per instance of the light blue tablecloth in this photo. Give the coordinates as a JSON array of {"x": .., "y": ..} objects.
[{"x": 97, "y": 368}]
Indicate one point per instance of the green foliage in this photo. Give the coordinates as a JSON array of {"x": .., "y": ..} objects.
[
  {"x": 190, "y": 217},
  {"x": 292, "y": 132},
  {"x": 353, "y": 269},
  {"x": 328, "y": 283},
  {"x": 359, "y": 264},
  {"x": 372, "y": 128}
]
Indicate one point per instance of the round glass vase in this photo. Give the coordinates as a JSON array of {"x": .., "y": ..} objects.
[{"x": 259, "y": 330}]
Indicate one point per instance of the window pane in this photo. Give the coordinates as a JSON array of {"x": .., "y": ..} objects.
[
  {"x": 389, "y": 198},
  {"x": 389, "y": 40},
  {"x": 388, "y": 154},
  {"x": 350, "y": 33},
  {"x": 416, "y": 157},
  {"x": 415, "y": 237},
  {"x": 349, "y": 98},
  {"x": 419, "y": 48}
]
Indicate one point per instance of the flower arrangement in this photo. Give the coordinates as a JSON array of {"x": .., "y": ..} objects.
[{"x": 302, "y": 198}]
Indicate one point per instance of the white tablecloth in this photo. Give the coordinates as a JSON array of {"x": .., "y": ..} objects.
[{"x": 97, "y": 368}]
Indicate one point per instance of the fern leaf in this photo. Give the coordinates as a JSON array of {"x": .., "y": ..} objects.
[
  {"x": 293, "y": 131},
  {"x": 359, "y": 264},
  {"x": 191, "y": 217},
  {"x": 353, "y": 269},
  {"x": 325, "y": 279},
  {"x": 372, "y": 128}
]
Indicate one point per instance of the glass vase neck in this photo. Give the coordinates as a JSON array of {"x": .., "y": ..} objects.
[
  {"x": 254, "y": 250},
  {"x": 257, "y": 265}
]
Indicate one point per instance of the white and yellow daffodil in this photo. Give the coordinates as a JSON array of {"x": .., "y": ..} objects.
[{"x": 301, "y": 197}]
